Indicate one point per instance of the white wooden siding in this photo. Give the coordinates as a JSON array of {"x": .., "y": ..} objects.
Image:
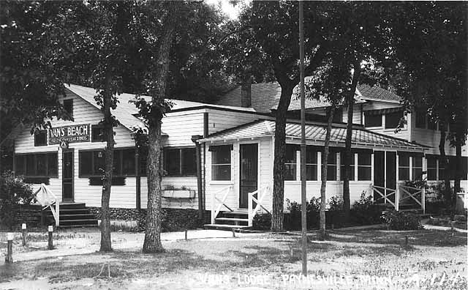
[{"x": 219, "y": 120}]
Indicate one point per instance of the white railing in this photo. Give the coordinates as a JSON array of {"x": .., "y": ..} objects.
[
  {"x": 257, "y": 198},
  {"x": 409, "y": 192},
  {"x": 385, "y": 193},
  {"x": 47, "y": 198},
  {"x": 219, "y": 203}
]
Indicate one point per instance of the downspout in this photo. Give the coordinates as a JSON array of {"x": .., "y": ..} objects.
[
  {"x": 137, "y": 177},
  {"x": 201, "y": 211}
]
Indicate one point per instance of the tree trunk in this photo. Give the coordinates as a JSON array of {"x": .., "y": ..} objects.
[
  {"x": 106, "y": 244},
  {"x": 323, "y": 186},
  {"x": 349, "y": 132},
  {"x": 443, "y": 162},
  {"x": 280, "y": 153},
  {"x": 152, "y": 243}
]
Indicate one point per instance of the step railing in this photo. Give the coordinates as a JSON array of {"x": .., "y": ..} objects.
[
  {"x": 218, "y": 203},
  {"x": 47, "y": 198},
  {"x": 411, "y": 193},
  {"x": 255, "y": 200},
  {"x": 385, "y": 194}
]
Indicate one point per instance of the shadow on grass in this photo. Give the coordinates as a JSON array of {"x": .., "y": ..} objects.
[
  {"x": 117, "y": 264},
  {"x": 435, "y": 238}
]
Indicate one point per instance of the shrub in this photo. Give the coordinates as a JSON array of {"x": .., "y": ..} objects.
[
  {"x": 365, "y": 212},
  {"x": 397, "y": 220},
  {"x": 262, "y": 221},
  {"x": 13, "y": 193},
  {"x": 334, "y": 213}
]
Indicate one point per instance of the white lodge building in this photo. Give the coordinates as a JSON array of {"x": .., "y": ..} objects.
[{"x": 220, "y": 157}]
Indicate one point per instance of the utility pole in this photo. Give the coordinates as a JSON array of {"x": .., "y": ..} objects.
[{"x": 303, "y": 142}]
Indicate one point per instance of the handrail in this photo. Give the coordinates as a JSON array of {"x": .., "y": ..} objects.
[
  {"x": 261, "y": 193},
  {"x": 385, "y": 195},
  {"x": 422, "y": 191},
  {"x": 214, "y": 213},
  {"x": 47, "y": 199}
]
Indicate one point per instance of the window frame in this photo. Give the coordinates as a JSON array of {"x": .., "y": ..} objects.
[
  {"x": 217, "y": 148},
  {"x": 117, "y": 172},
  {"x": 388, "y": 117},
  {"x": 40, "y": 134},
  {"x": 368, "y": 117},
  {"x": 293, "y": 148},
  {"x": 34, "y": 156},
  {"x": 182, "y": 166},
  {"x": 364, "y": 166}
]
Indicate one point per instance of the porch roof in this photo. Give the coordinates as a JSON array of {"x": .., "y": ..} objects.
[{"x": 315, "y": 135}]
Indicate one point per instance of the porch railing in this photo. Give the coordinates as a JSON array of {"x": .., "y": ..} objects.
[
  {"x": 255, "y": 200},
  {"x": 47, "y": 198},
  {"x": 218, "y": 203},
  {"x": 386, "y": 193},
  {"x": 402, "y": 192},
  {"x": 411, "y": 193}
]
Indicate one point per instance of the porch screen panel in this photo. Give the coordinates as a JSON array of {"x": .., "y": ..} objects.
[
  {"x": 311, "y": 163},
  {"x": 221, "y": 162},
  {"x": 351, "y": 167},
  {"x": 404, "y": 166},
  {"x": 332, "y": 165},
  {"x": 364, "y": 166},
  {"x": 417, "y": 167},
  {"x": 172, "y": 161},
  {"x": 290, "y": 162}
]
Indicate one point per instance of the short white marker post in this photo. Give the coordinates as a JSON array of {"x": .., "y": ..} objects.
[
  {"x": 9, "y": 256},
  {"x": 51, "y": 243},
  {"x": 23, "y": 230}
]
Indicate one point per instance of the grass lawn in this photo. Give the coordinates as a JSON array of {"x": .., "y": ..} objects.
[{"x": 349, "y": 259}]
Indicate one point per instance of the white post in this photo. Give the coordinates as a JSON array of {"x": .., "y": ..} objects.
[
  {"x": 213, "y": 208},
  {"x": 249, "y": 209},
  {"x": 423, "y": 199},
  {"x": 397, "y": 187},
  {"x": 319, "y": 166}
]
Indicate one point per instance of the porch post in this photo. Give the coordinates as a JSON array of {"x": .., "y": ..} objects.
[
  {"x": 397, "y": 189},
  {"x": 201, "y": 211},
  {"x": 319, "y": 165}
]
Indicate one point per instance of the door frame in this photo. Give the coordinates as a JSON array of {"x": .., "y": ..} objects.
[
  {"x": 385, "y": 167},
  {"x": 257, "y": 179},
  {"x": 72, "y": 151}
]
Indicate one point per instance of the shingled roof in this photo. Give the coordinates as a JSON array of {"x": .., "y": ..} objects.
[
  {"x": 265, "y": 97},
  {"x": 315, "y": 135}
]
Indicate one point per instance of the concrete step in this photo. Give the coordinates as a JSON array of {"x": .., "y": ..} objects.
[{"x": 232, "y": 219}]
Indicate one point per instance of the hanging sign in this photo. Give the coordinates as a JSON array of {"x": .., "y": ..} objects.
[{"x": 69, "y": 134}]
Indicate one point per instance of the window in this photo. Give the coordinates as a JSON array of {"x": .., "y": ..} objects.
[
  {"x": 364, "y": 166},
  {"x": 180, "y": 161},
  {"x": 417, "y": 168},
  {"x": 432, "y": 167},
  {"x": 431, "y": 124},
  {"x": 97, "y": 133},
  {"x": 311, "y": 163},
  {"x": 291, "y": 162},
  {"x": 420, "y": 121},
  {"x": 40, "y": 138},
  {"x": 221, "y": 162},
  {"x": 92, "y": 163},
  {"x": 332, "y": 166},
  {"x": 373, "y": 120},
  {"x": 68, "y": 106},
  {"x": 351, "y": 167},
  {"x": 404, "y": 167},
  {"x": 441, "y": 168},
  {"x": 464, "y": 168},
  {"x": 37, "y": 165},
  {"x": 392, "y": 120}
]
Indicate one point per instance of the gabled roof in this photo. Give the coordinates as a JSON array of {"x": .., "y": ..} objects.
[
  {"x": 378, "y": 94},
  {"x": 126, "y": 111},
  {"x": 266, "y": 96},
  {"x": 315, "y": 135}
]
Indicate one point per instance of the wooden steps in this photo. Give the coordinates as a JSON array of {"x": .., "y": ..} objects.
[
  {"x": 72, "y": 215},
  {"x": 229, "y": 220}
]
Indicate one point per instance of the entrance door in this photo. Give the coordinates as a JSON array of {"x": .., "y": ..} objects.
[
  {"x": 385, "y": 173},
  {"x": 67, "y": 176},
  {"x": 248, "y": 172}
]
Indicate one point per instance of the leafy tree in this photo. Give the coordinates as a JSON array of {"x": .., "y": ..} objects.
[
  {"x": 13, "y": 193},
  {"x": 35, "y": 58},
  {"x": 430, "y": 44}
]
